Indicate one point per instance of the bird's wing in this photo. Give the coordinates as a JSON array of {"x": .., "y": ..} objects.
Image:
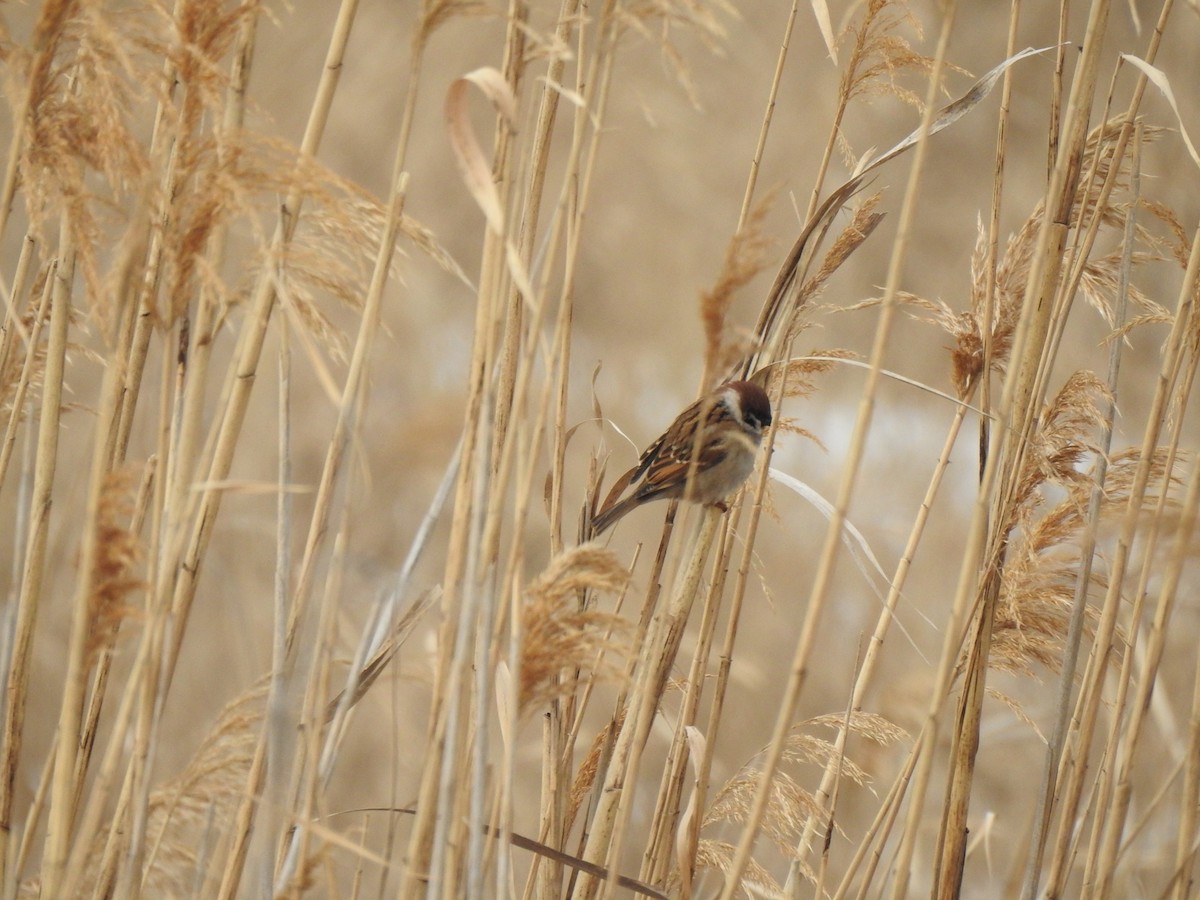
[
  {"x": 649, "y": 457},
  {"x": 668, "y": 473}
]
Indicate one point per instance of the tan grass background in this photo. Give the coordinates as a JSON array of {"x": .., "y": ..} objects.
[{"x": 664, "y": 202}]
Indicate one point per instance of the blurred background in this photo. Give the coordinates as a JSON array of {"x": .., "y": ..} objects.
[{"x": 665, "y": 198}]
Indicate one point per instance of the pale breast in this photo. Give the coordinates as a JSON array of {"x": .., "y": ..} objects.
[{"x": 723, "y": 478}]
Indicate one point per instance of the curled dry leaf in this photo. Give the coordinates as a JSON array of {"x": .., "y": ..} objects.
[
  {"x": 687, "y": 833},
  {"x": 1159, "y": 79},
  {"x": 472, "y": 163}
]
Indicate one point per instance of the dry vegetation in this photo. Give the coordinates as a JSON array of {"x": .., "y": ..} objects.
[{"x": 302, "y": 427}]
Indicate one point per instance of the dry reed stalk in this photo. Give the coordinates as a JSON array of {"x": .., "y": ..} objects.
[
  {"x": 872, "y": 655},
  {"x": 524, "y": 454},
  {"x": 744, "y": 259},
  {"x": 180, "y": 578},
  {"x": 105, "y": 451},
  {"x": 508, "y": 404},
  {"x": 1112, "y": 807},
  {"x": 13, "y": 328},
  {"x": 349, "y": 414},
  {"x": 91, "y": 817},
  {"x": 544, "y": 128},
  {"x": 657, "y": 858},
  {"x": 47, "y": 33},
  {"x": 428, "y": 841},
  {"x": 722, "y": 674},
  {"x": 419, "y": 862},
  {"x": 502, "y": 656},
  {"x": 993, "y": 230},
  {"x": 175, "y": 148},
  {"x": 673, "y": 780},
  {"x": 765, "y": 128},
  {"x": 1018, "y": 407},
  {"x": 438, "y": 804},
  {"x": 1134, "y": 104},
  {"x": 59, "y": 816},
  {"x": 183, "y": 446},
  {"x": 1186, "y": 839},
  {"x": 1084, "y": 720},
  {"x": 25, "y": 380},
  {"x": 878, "y": 51},
  {"x": 656, "y": 656},
  {"x": 559, "y": 810},
  {"x": 811, "y": 288},
  {"x": 34, "y": 549},
  {"x": 1114, "y": 820},
  {"x": 1087, "y": 553},
  {"x": 836, "y": 255},
  {"x": 291, "y": 615},
  {"x": 832, "y": 545}
]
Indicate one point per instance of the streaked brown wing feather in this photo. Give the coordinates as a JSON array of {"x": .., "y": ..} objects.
[
  {"x": 663, "y": 467},
  {"x": 669, "y": 473}
]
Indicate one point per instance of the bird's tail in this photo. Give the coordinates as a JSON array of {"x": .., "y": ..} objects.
[{"x": 609, "y": 515}]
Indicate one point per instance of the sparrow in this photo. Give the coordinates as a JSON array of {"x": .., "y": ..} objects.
[{"x": 703, "y": 468}]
